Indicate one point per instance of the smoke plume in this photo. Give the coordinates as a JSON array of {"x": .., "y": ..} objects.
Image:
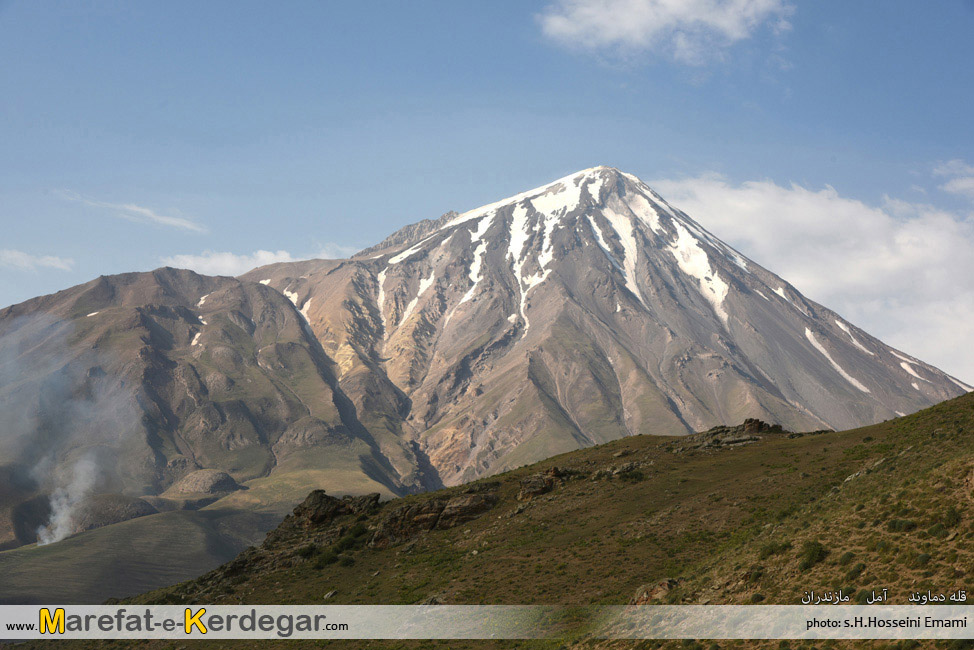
[
  {"x": 63, "y": 418},
  {"x": 66, "y": 500}
]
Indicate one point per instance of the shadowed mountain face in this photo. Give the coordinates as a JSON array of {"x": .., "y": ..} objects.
[
  {"x": 580, "y": 312},
  {"x": 577, "y": 313}
]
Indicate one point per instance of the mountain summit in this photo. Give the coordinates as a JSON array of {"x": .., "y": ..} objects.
[{"x": 579, "y": 312}]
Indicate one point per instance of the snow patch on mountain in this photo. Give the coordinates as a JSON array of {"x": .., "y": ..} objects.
[
  {"x": 424, "y": 284},
  {"x": 821, "y": 348},
  {"x": 477, "y": 265},
  {"x": 564, "y": 199},
  {"x": 902, "y": 358},
  {"x": 781, "y": 292},
  {"x": 293, "y": 297},
  {"x": 381, "y": 298},
  {"x": 409, "y": 252},
  {"x": 693, "y": 260},
  {"x": 855, "y": 342},
  {"x": 645, "y": 211},
  {"x": 624, "y": 230},
  {"x": 961, "y": 384},
  {"x": 604, "y": 245}
]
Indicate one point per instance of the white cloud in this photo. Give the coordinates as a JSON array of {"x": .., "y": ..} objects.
[
  {"x": 137, "y": 213},
  {"x": 689, "y": 31},
  {"x": 963, "y": 185},
  {"x": 902, "y": 271},
  {"x": 955, "y": 167},
  {"x": 960, "y": 177},
  {"x": 331, "y": 251},
  {"x": 225, "y": 263},
  {"x": 19, "y": 260},
  {"x": 222, "y": 263}
]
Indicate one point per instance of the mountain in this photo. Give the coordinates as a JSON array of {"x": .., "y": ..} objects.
[{"x": 583, "y": 311}]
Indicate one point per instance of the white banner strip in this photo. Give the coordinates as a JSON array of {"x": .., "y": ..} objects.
[
  {"x": 22, "y": 622},
  {"x": 789, "y": 622},
  {"x": 275, "y": 622}
]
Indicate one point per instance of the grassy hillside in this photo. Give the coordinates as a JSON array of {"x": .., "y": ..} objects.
[
  {"x": 125, "y": 558},
  {"x": 888, "y": 505}
]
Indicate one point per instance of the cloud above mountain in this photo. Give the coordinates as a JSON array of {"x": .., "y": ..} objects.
[
  {"x": 688, "y": 31},
  {"x": 901, "y": 270},
  {"x": 21, "y": 261},
  {"x": 138, "y": 213},
  {"x": 227, "y": 263}
]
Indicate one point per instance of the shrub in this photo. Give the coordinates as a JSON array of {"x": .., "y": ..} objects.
[
  {"x": 324, "y": 559},
  {"x": 901, "y": 525},
  {"x": 812, "y": 553},
  {"x": 855, "y": 571},
  {"x": 846, "y": 557},
  {"x": 346, "y": 560},
  {"x": 358, "y": 530},
  {"x": 755, "y": 574},
  {"x": 306, "y": 551},
  {"x": 951, "y": 517},
  {"x": 757, "y": 598},
  {"x": 937, "y": 530},
  {"x": 633, "y": 475},
  {"x": 923, "y": 559},
  {"x": 773, "y": 548}
]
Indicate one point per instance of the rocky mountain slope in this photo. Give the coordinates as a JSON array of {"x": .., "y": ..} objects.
[
  {"x": 127, "y": 384},
  {"x": 584, "y": 311}
]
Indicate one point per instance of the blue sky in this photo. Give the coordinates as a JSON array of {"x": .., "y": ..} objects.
[{"x": 133, "y": 134}]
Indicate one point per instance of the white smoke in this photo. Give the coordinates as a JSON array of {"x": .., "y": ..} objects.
[
  {"x": 65, "y": 501},
  {"x": 64, "y": 419}
]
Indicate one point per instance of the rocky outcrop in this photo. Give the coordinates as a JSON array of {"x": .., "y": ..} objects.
[
  {"x": 654, "y": 592},
  {"x": 411, "y": 520},
  {"x": 537, "y": 484},
  {"x": 320, "y": 509},
  {"x": 751, "y": 430}
]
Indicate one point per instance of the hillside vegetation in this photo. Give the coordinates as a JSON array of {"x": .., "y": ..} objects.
[{"x": 735, "y": 515}]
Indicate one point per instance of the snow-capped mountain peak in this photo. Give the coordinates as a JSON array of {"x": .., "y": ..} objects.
[{"x": 593, "y": 302}]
